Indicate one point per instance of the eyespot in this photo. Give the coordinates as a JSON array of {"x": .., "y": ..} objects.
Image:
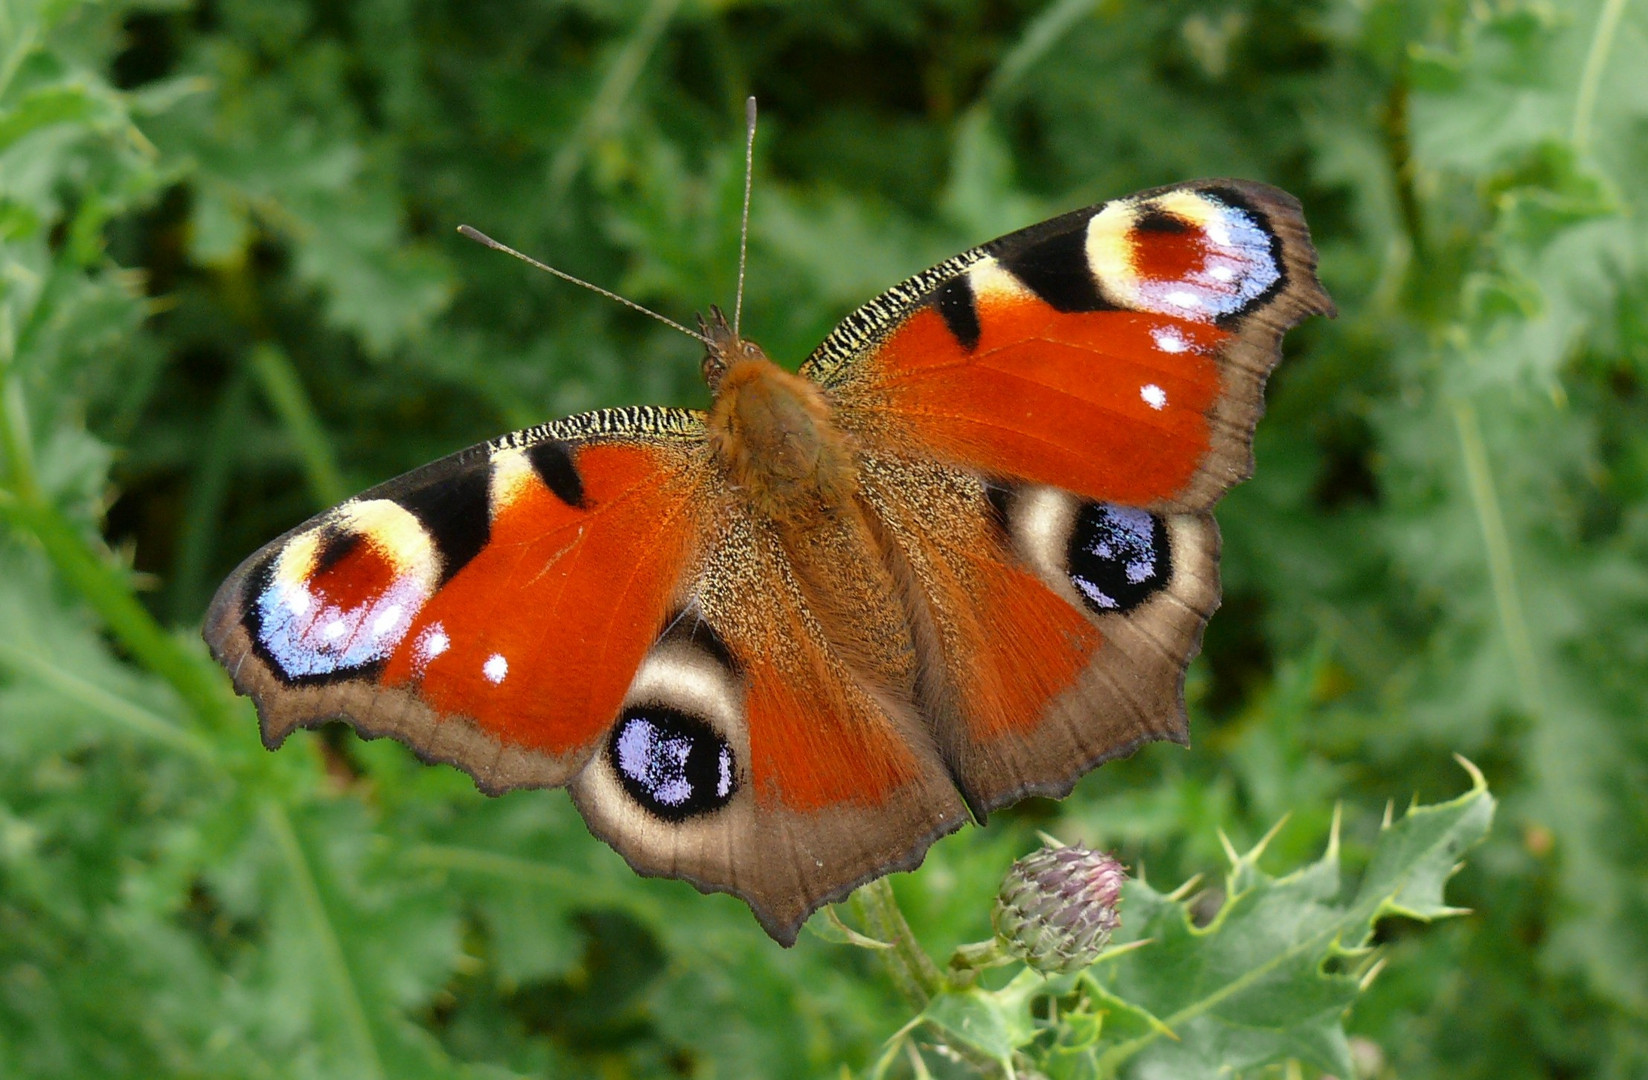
[
  {"x": 336, "y": 600},
  {"x": 672, "y": 763},
  {"x": 1196, "y": 255},
  {"x": 1118, "y": 556}
]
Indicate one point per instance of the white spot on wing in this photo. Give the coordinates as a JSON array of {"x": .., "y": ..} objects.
[
  {"x": 1153, "y": 395},
  {"x": 431, "y": 643},
  {"x": 334, "y": 630},
  {"x": 386, "y": 620},
  {"x": 1183, "y": 299},
  {"x": 1169, "y": 340},
  {"x": 495, "y": 668}
]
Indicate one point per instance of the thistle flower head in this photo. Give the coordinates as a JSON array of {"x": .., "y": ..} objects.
[{"x": 1057, "y": 907}]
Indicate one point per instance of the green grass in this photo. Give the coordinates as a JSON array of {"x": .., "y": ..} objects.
[{"x": 231, "y": 292}]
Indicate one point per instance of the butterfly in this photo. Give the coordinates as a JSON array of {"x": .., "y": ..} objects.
[{"x": 780, "y": 647}]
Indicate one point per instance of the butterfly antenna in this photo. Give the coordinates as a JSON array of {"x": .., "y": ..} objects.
[
  {"x": 481, "y": 238},
  {"x": 744, "y": 227}
]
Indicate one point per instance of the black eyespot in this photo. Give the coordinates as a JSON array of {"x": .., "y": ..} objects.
[
  {"x": 674, "y": 764},
  {"x": 1119, "y": 556}
]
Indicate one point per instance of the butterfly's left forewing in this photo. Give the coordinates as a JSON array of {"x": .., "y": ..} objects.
[
  {"x": 1119, "y": 352},
  {"x": 488, "y": 609}
]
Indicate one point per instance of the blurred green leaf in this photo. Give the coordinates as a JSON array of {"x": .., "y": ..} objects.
[{"x": 1443, "y": 549}]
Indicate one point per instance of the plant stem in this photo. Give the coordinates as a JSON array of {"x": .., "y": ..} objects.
[
  {"x": 1590, "y": 79},
  {"x": 1399, "y": 155},
  {"x": 912, "y": 970},
  {"x": 102, "y": 586},
  {"x": 1501, "y": 565},
  {"x": 352, "y": 1018},
  {"x": 284, "y": 391}
]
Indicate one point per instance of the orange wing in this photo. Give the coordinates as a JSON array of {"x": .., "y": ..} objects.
[
  {"x": 588, "y": 604},
  {"x": 1117, "y": 352},
  {"x": 489, "y": 609},
  {"x": 1048, "y": 419}
]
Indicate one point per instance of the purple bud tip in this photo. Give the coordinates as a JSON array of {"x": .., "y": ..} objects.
[{"x": 1058, "y": 907}]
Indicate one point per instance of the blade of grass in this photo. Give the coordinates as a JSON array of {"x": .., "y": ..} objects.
[
  {"x": 204, "y": 510},
  {"x": 125, "y": 714},
  {"x": 23, "y": 43},
  {"x": 352, "y": 1012},
  {"x": 99, "y": 583},
  {"x": 609, "y": 97},
  {"x": 482, "y": 863},
  {"x": 109, "y": 594},
  {"x": 1590, "y": 78},
  {"x": 1042, "y": 34},
  {"x": 284, "y": 391},
  {"x": 15, "y": 441},
  {"x": 1501, "y": 565}
]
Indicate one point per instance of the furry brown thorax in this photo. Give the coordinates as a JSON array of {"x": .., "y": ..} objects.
[{"x": 772, "y": 431}]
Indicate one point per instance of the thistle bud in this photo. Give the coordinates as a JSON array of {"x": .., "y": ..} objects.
[{"x": 1057, "y": 907}]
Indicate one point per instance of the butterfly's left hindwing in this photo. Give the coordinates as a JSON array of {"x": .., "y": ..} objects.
[{"x": 488, "y": 609}]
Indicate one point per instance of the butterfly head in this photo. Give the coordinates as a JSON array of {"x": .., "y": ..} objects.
[{"x": 723, "y": 348}]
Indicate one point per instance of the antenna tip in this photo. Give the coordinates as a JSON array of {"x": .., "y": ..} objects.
[
  {"x": 749, "y": 109},
  {"x": 477, "y": 235}
]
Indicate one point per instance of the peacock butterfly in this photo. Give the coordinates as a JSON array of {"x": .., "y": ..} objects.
[{"x": 777, "y": 649}]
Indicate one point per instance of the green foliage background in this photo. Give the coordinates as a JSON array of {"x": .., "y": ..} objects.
[{"x": 230, "y": 294}]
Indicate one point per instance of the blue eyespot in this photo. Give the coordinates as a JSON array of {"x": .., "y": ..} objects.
[
  {"x": 1118, "y": 556},
  {"x": 674, "y": 764}
]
